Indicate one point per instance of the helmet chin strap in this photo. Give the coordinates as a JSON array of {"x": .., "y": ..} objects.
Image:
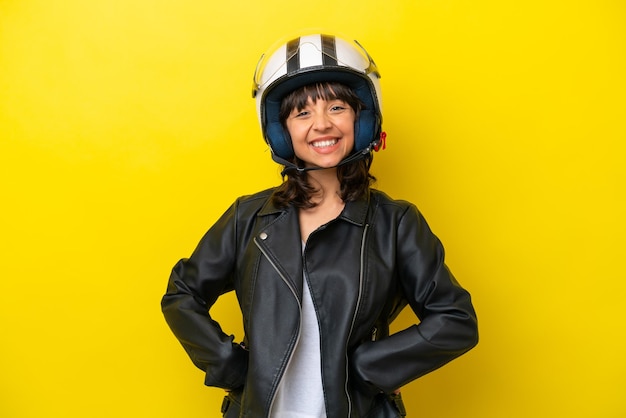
[{"x": 289, "y": 166}]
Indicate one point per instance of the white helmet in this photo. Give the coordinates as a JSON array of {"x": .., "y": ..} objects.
[{"x": 312, "y": 59}]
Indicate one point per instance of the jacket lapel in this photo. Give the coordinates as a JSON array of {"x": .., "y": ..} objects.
[{"x": 280, "y": 242}]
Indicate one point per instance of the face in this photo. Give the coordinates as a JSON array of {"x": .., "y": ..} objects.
[{"x": 322, "y": 133}]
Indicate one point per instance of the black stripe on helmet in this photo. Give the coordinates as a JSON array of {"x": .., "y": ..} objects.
[
  {"x": 293, "y": 55},
  {"x": 329, "y": 51}
]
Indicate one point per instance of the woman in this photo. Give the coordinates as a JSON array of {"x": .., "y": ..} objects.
[{"x": 322, "y": 264}]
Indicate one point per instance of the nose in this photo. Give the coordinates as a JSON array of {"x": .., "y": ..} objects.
[{"x": 321, "y": 121}]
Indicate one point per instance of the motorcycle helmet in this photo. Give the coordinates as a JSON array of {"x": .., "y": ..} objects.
[{"x": 312, "y": 59}]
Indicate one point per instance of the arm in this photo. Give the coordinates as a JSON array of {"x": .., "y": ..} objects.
[
  {"x": 447, "y": 327},
  {"x": 193, "y": 287}
]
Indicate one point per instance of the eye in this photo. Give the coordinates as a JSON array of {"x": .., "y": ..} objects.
[
  {"x": 299, "y": 113},
  {"x": 338, "y": 106}
]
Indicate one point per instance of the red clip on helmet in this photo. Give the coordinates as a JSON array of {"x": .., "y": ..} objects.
[{"x": 312, "y": 59}]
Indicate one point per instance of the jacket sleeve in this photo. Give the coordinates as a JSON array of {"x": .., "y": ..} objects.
[
  {"x": 448, "y": 324},
  {"x": 194, "y": 286}
]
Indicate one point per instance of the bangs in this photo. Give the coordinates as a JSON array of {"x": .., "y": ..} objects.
[{"x": 298, "y": 99}]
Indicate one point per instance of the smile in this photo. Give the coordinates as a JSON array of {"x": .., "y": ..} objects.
[{"x": 325, "y": 143}]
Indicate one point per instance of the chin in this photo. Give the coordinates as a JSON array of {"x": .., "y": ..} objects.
[{"x": 329, "y": 164}]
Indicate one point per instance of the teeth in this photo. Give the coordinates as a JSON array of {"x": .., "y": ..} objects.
[{"x": 327, "y": 143}]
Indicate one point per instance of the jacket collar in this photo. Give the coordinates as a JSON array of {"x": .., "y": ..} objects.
[{"x": 354, "y": 212}]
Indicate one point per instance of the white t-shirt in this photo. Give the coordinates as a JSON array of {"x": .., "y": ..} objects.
[{"x": 300, "y": 393}]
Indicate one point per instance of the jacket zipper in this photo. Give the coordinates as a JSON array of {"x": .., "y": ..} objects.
[
  {"x": 356, "y": 310},
  {"x": 295, "y": 295}
]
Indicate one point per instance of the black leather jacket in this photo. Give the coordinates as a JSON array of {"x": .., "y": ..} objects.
[{"x": 363, "y": 268}]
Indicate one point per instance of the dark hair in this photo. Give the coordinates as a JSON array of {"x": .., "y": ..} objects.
[{"x": 354, "y": 178}]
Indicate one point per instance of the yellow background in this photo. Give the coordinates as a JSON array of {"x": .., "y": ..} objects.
[{"x": 127, "y": 128}]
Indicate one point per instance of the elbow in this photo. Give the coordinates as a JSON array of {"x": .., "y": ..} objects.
[
  {"x": 467, "y": 328},
  {"x": 472, "y": 341},
  {"x": 468, "y": 335},
  {"x": 461, "y": 335}
]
